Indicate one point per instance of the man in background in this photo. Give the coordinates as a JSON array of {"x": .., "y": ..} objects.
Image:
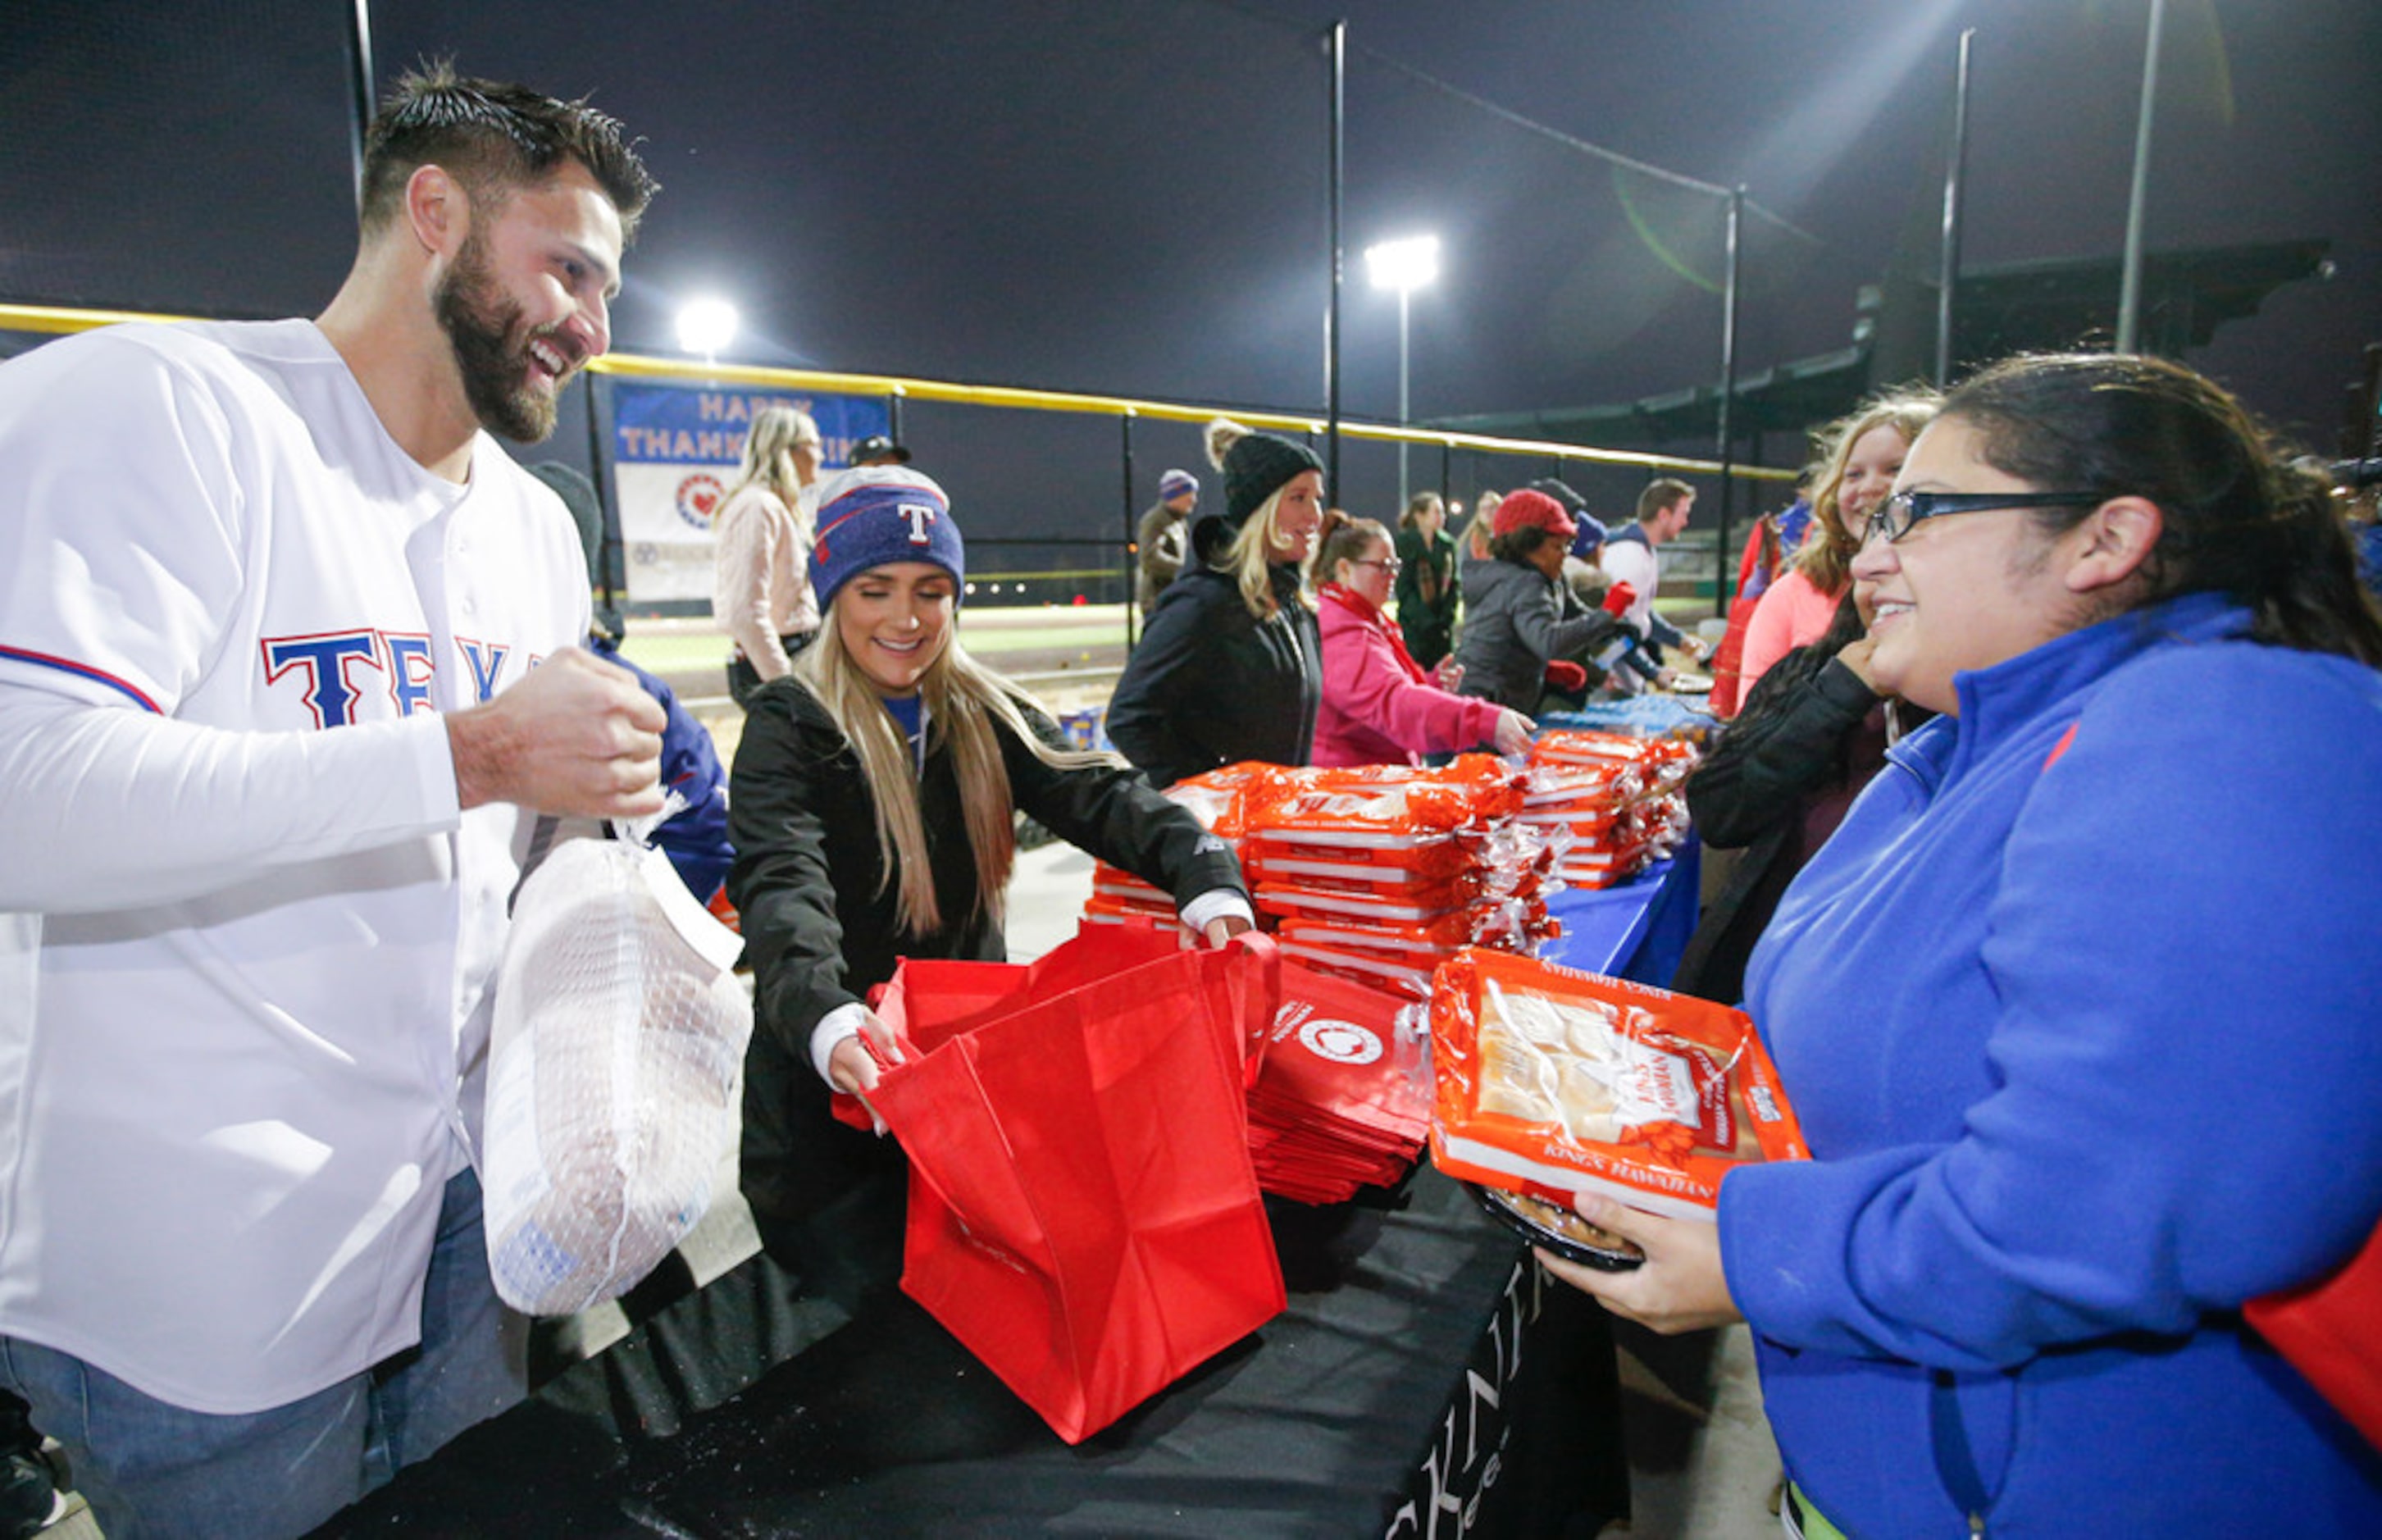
[{"x": 1632, "y": 556}]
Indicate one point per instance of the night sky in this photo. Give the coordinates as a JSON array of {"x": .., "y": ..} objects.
[{"x": 1129, "y": 196}]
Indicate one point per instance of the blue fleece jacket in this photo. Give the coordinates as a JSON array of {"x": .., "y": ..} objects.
[{"x": 2081, "y": 1011}]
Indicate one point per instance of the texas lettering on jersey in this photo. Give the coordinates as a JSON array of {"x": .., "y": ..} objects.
[{"x": 334, "y": 671}]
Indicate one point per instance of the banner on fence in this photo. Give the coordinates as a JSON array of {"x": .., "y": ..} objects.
[{"x": 675, "y": 449}]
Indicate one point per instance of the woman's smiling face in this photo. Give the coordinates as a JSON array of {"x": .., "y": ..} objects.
[
  {"x": 894, "y": 622},
  {"x": 1960, "y": 591},
  {"x": 1874, "y": 459},
  {"x": 1298, "y": 518}
]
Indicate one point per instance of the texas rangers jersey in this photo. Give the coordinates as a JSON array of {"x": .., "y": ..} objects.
[{"x": 232, "y": 610}]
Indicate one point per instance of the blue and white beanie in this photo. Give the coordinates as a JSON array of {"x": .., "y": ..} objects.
[{"x": 876, "y": 515}]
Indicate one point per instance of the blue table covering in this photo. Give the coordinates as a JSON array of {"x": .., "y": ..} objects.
[{"x": 1637, "y": 930}]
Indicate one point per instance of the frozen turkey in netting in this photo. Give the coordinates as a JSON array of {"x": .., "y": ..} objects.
[{"x": 620, "y": 1030}]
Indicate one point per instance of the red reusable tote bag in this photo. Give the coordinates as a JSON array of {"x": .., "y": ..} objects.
[
  {"x": 2332, "y": 1333},
  {"x": 1084, "y": 1215}
]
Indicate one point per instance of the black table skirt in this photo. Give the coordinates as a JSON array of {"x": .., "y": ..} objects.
[{"x": 1427, "y": 1380}]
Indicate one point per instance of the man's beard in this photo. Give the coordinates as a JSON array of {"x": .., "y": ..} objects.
[{"x": 480, "y": 324}]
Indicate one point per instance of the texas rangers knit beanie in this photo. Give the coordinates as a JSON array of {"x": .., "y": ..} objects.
[
  {"x": 1174, "y": 483},
  {"x": 876, "y": 515},
  {"x": 1256, "y": 466}
]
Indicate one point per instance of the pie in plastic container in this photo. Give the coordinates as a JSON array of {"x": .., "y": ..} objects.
[{"x": 1558, "y": 1229}]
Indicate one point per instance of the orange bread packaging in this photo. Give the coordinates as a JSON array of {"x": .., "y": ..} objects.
[{"x": 1551, "y": 1082}]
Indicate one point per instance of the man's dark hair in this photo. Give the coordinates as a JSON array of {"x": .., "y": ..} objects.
[
  {"x": 493, "y": 137},
  {"x": 1664, "y": 492}
]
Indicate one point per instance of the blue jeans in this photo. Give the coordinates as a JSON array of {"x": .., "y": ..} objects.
[{"x": 149, "y": 1469}]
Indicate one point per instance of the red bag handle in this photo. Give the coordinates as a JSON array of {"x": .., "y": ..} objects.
[{"x": 1254, "y": 994}]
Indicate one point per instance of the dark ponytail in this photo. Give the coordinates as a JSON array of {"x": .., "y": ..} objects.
[{"x": 2239, "y": 518}]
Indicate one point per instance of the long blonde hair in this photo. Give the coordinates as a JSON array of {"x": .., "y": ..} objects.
[
  {"x": 964, "y": 701},
  {"x": 768, "y": 442},
  {"x": 1251, "y": 562},
  {"x": 1826, "y": 559},
  {"x": 1482, "y": 526}
]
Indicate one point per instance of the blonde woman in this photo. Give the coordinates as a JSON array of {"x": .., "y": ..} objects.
[
  {"x": 1230, "y": 666},
  {"x": 871, "y": 811},
  {"x": 1864, "y": 454},
  {"x": 759, "y": 591}
]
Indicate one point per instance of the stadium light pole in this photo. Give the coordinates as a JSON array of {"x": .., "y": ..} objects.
[
  {"x": 1405, "y": 265},
  {"x": 2129, "y": 291},
  {"x": 706, "y": 326}
]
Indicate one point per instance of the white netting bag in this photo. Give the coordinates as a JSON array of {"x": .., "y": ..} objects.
[{"x": 618, "y": 1033}]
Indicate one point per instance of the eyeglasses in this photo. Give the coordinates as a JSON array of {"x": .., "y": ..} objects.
[
  {"x": 1389, "y": 564},
  {"x": 1897, "y": 514}
]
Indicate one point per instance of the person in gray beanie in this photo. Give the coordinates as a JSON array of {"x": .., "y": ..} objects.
[
  {"x": 1161, "y": 538},
  {"x": 1230, "y": 666}
]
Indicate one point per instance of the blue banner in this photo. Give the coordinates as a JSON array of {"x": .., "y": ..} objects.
[
  {"x": 669, "y": 424},
  {"x": 675, "y": 451}
]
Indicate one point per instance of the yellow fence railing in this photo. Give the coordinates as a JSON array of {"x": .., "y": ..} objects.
[{"x": 61, "y": 319}]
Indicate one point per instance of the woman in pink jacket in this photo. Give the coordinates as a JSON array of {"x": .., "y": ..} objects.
[{"x": 1378, "y": 706}]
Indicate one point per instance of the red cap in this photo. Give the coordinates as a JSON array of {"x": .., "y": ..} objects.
[{"x": 1529, "y": 509}]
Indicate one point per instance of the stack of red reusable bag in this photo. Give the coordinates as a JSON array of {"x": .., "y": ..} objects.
[
  {"x": 1619, "y": 799},
  {"x": 1369, "y": 878},
  {"x": 1343, "y": 1097}
]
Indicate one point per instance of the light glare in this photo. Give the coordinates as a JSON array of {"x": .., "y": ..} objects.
[
  {"x": 706, "y": 326},
  {"x": 1405, "y": 265}
]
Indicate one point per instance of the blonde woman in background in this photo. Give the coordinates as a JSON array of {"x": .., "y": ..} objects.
[
  {"x": 1231, "y": 665},
  {"x": 1474, "y": 546},
  {"x": 1864, "y": 454},
  {"x": 760, "y": 589}
]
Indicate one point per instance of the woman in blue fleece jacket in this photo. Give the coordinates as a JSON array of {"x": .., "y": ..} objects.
[{"x": 2081, "y": 1008}]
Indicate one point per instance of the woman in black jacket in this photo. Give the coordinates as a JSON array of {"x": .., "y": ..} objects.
[
  {"x": 1231, "y": 667},
  {"x": 871, "y": 809},
  {"x": 1781, "y": 778}
]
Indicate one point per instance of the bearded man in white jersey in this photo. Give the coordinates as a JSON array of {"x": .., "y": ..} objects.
[{"x": 287, "y": 666}]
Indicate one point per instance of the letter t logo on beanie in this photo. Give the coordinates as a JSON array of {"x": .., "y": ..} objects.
[{"x": 875, "y": 515}]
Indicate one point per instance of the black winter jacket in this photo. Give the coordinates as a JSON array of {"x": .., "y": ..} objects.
[
  {"x": 1211, "y": 684},
  {"x": 819, "y": 932}
]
